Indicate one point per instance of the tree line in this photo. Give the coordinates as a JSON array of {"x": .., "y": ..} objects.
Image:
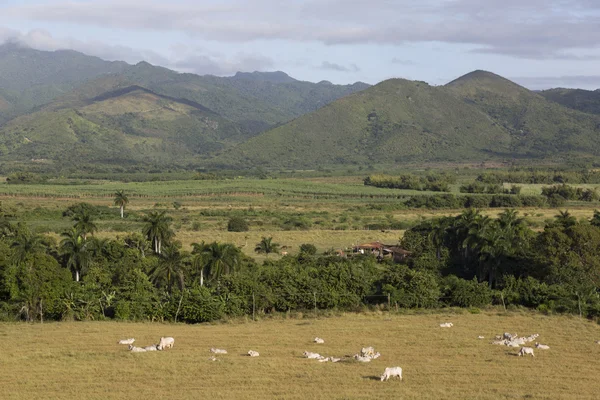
[{"x": 470, "y": 260}]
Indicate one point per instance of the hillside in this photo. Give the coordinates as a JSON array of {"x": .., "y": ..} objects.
[
  {"x": 587, "y": 101},
  {"x": 34, "y": 77},
  {"x": 395, "y": 121},
  {"x": 480, "y": 116},
  {"x": 538, "y": 128},
  {"x": 131, "y": 125}
]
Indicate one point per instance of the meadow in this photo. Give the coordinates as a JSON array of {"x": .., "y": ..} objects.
[{"x": 82, "y": 360}]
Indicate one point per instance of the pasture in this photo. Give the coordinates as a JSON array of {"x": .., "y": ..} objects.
[{"x": 83, "y": 360}]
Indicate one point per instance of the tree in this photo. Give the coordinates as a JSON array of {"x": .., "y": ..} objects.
[
  {"x": 237, "y": 224},
  {"x": 121, "y": 200},
  {"x": 171, "y": 265},
  {"x": 75, "y": 248},
  {"x": 216, "y": 259},
  {"x": 438, "y": 235},
  {"x": 84, "y": 223},
  {"x": 26, "y": 244},
  {"x": 157, "y": 229},
  {"x": 565, "y": 219},
  {"x": 595, "y": 221},
  {"x": 266, "y": 246}
]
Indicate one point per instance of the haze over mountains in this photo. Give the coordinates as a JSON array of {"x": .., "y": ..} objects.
[{"x": 113, "y": 113}]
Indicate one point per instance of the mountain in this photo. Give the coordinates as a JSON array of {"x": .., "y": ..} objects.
[
  {"x": 538, "y": 128},
  {"x": 33, "y": 77},
  {"x": 395, "y": 121},
  {"x": 587, "y": 101},
  {"x": 132, "y": 125},
  {"x": 480, "y": 116}
]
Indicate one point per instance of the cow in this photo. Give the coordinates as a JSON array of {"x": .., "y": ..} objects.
[
  {"x": 391, "y": 372},
  {"x": 127, "y": 341},
  {"x": 165, "y": 343},
  {"x": 526, "y": 350}
]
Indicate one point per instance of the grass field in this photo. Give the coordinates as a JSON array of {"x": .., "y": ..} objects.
[{"x": 82, "y": 360}]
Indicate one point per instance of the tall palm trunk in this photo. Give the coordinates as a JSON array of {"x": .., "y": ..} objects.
[
  {"x": 122, "y": 209},
  {"x": 76, "y": 275}
]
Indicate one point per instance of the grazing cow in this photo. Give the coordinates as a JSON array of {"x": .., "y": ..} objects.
[
  {"x": 253, "y": 353},
  {"x": 360, "y": 358},
  {"x": 310, "y": 355},
  {"x": 508, "y": 336},
  {"x": 526, "y": 350},
  {"x": 319, "y": 340},
  {"x": 446, "y": 325},
  {"x": 127, "y": 341},
  {"x": 513, "y": 344},
  {"x": 134, "y": 349},
  {"x": 480, "y": 337},
  {"x": 391, "y": 372},
  {"x": 166, "y": 343},
  {"x": 154, "y": 347},
  {"x": 218, "y": 351},
  {"x": 542, "y": 346}
]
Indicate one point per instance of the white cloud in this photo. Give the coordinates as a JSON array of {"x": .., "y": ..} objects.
[
  {"x": 337, "y": 67},
  {"x": 537, "y": 29}
]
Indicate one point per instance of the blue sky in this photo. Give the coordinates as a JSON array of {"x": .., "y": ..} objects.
[{"x": 537, "y": 43}]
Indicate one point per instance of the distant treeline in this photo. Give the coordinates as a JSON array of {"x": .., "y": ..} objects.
[
  {"x": 440, "y": 201},
  {"x": 433, "y": 182},
  {"x": 539, "y": 177}
]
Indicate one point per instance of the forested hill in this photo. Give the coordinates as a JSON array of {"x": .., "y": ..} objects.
[
  {"x": 480, "y": 116},
  {"x": 587, "y": 101}
]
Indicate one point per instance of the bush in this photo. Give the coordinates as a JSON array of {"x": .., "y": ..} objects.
[
  {"x": 462, "y": 293},
  {"x": 410, "y": 288},
  {"x": 308, "y": 249},
  {"x": 237, "y": 224}
]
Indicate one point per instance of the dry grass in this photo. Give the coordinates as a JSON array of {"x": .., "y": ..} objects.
[{"x": 83, "y": 361}]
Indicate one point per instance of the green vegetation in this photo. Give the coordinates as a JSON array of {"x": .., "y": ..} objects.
[
  {"x": 434, "y": 183},
  {"x": 586, "y": 101}
]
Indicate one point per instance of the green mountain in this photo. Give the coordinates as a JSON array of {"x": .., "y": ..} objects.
[
  {"x": 127, "y": 126},
  {"x": 395, "y": 121},
  {"x": 29, "y": 78},
  {"x": 587, "y": 101},
  {"x": 538, "y": 128},
  {"x": 480, "y": 116}
]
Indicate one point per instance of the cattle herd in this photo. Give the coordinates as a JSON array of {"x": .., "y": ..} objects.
[{"x": 366, "y": 354}]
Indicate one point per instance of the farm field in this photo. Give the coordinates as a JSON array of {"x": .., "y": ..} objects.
[
  {"x": 329, "y": 212},
  {"x": 80, "y": 360}
]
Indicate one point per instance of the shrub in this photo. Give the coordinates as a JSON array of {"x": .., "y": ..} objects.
[
  {"x": 308, "y": 249},
  {"x": 462, "y": 293},
  {"x": 237, "y": 224}
]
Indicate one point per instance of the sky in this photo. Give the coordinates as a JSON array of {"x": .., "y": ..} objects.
[{"x": 537, "y": 43}]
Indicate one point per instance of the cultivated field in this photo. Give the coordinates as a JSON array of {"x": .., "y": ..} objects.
[{"x": 82, "y": 360}]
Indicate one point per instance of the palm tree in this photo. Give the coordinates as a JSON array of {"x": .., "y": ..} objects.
[
  {"x": 169, "y": 267},
  {"x": 84, "y": 223},
  {"x": 266, "y": 246},
  {"x": 157, "y": 229},
  {"x": 438, "y": 235},
  {"x": 121, "y": 200},
  {"x": 75, "y": 248},
  {"x": 26, "y": 244},
  {"x": 565, "y": 219},
  {"x": 215, "y": 259},
  {"x": 98, "y": 247}
]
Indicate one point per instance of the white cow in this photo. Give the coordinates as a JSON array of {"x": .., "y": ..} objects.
[
  {"x": 154, "y": 347},
  {"x": 526, "y": 350},
  {"x": 253, "y": 353},
  {"x": 446, "y": 325},
  {"x": 319, "y": 340},
  {"x": 367, "y": 352},
  {"x": 218, "y": 351},
  {"x": 333, "y": 359},
  {"x": 514, "y": 344},
  {"x": 391, "y": 372},
  {"x": 166, "y": 343},
  {"x": 127, "y": 341},
  {"x": 134, "y": 349},
  {"x": 360, "y": 358},
  {"x": 310, "y": 355},
  {"x": 542, "y": 346},
  {"x": 212, "y": 358},
  {"x": 480, "y": 337}
]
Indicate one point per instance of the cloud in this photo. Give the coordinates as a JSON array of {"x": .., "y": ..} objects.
[
  {"x": 217, "y": 64},
  {"x": 590, "y": 82},
  {"x": 326, "y": 65},
  {"x": 535, "y": 29},
  {"x": 43, "y": 40}
]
